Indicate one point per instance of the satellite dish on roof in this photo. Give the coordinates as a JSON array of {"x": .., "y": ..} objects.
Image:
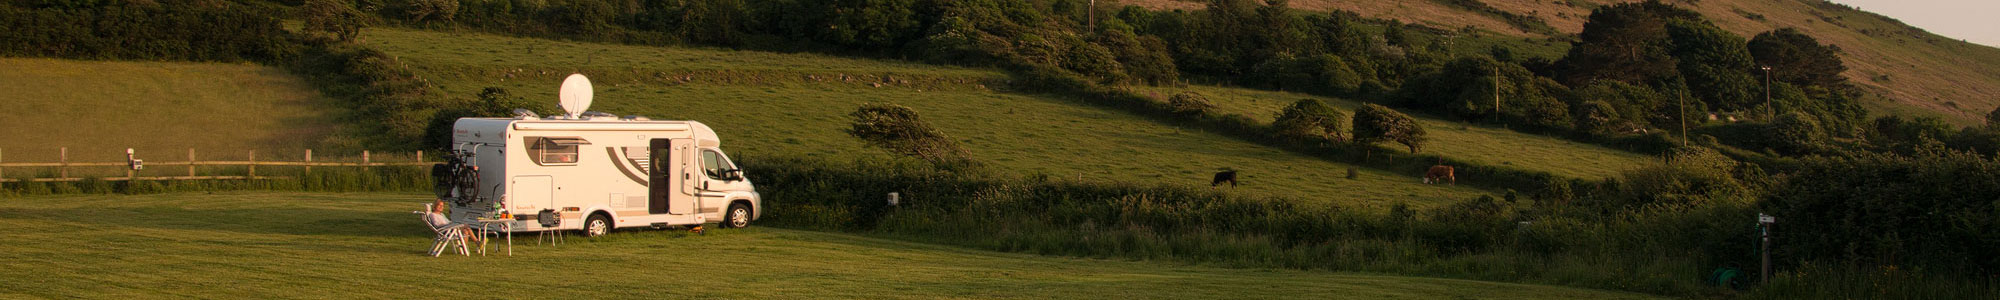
[{"x": 575, "y": 95}]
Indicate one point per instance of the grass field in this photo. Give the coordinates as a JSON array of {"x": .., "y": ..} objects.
[
  {"x": 303, "y": 245},
  {"x": 1481, "y": 143},
  {"x": 98, "y": 109},
  {"x": 1025, "y": 134}
]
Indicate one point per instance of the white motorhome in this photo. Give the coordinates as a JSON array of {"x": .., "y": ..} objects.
[{"x": 599, "y": 172}]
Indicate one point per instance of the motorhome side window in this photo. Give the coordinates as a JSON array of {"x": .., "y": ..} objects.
[
  {"x": 554, "y": 150},
  {"x": 714, "y": 164}
]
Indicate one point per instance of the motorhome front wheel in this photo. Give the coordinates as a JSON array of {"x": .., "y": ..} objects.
[{"x": 738, "y": 217}]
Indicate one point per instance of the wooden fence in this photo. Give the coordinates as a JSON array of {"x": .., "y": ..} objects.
[{"x": 63, "y": 166}]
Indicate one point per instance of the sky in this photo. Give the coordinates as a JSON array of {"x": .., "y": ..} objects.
[{"x": 1971, "y": 20}]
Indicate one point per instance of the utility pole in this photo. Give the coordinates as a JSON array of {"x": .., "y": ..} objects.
[
  {"x": 1770, "y": 112},
  {"x": 1684, "y": 117},
  {"x": 1496, "y": 93},
  {"x": 1092, "y": 11}
]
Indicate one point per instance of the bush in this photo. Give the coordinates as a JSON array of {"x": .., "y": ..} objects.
[
  {"x": 1597, "y": 117},
  {"x": 1692, "y": 176},
  {"x": 1797, "y": 133},
  {"x": 1190, "y": 103}
]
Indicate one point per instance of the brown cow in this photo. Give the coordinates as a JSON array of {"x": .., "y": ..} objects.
[{"x": 1440, "y": 173}]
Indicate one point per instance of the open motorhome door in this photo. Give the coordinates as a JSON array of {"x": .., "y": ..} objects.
[{"x": 668, "y": 190}]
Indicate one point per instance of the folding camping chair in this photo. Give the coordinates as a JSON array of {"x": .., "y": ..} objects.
[{"x": 449, "y": 234}]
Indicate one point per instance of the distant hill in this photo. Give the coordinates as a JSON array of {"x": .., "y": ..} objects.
[{"x": 1918, "y": 72}]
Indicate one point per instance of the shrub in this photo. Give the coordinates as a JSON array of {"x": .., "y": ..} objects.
[
  {"x": 897, "y": 129},
  {"x": 1190, "y": 103},
  {"x": 1596, "y": 117},
  {"x": 1374, "y": 123},
  {"x": 1691, "y": 176}
]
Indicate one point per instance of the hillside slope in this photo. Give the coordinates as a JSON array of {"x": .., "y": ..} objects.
[
  {"x": 1920, "y": 73},
  {"x": 766, "y": 104},
  {"x": 98, "y": 109}
]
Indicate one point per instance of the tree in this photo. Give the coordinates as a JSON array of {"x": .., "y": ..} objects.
[
  {"x": 1375, "y": 123},
  {"x": 1311, "y": 118},
  {"x": 1715, "y": 64},
  {"x": 896, "y": 128},
  {"x": 331, "y": 21},
  {"x": 1625, "y": 42},
  {"x": 1797, "y": 58}
]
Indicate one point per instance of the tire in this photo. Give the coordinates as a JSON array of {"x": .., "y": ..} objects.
[
  {"x": 596, "y": 226},
  {"x": 738, "y": 216}
]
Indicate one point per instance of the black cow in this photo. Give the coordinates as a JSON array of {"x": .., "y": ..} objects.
[{"x": 1225, "y": 176}]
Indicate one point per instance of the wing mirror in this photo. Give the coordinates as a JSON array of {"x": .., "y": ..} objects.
[{"x": 733, "y": 175}]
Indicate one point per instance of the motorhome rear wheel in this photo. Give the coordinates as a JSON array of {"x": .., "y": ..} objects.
[{"x": 597, "y": 226}]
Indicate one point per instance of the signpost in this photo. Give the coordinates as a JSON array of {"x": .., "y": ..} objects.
[{"x": 1764, "y": 228}]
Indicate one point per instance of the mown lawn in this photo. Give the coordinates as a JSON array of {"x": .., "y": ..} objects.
[
  {"x": 307, "y": 245},
  {"x": 1024, "y": 134},
  {"x": 1481, "y": 143}
]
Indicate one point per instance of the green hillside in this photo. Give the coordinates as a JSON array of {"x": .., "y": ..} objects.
[
  {"x": 251, "y": 245},
  {"x": 98, "y": 109},
  {"x": 761, "y": 110}
]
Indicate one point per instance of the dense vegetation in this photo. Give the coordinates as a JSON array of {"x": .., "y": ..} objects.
[{"x": 166, "y": 30}]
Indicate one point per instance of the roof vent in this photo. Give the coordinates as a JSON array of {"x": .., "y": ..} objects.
[{"x": 525, "y": 114}]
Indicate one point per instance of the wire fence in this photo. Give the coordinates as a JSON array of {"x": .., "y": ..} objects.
[{"x": 135, "y": 167}]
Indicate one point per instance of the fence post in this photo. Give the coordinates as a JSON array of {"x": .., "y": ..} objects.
[
  {"x": 309, "y": 160},
  {"x": 366, "y": 166},
  {"x": 420, "y": 155},
  {"x": 190, "y": 162},
  {"x": 63, "y": 155},
  {"x": 253, "y": 164},
  {"x": 129, "y": 157},
  {"x": 3, "y": 171}
]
